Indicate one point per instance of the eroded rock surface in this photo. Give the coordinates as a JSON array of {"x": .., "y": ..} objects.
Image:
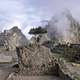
[
  {"x": 36, "y": 60},
  {"x": 9, "y": 39}
]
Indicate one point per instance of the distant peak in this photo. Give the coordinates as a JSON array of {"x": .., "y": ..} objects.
[{"x": 15, "y": 28}]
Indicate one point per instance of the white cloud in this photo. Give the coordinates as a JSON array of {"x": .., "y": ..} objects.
[
  {"x": 28, "y": 13},
  {"x": 15, "y": 13}
]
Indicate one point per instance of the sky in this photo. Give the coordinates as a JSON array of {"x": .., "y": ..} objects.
[{"x": 29, "y": 13}]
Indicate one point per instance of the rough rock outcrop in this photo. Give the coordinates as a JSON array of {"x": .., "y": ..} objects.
[
  {"x": 40, "y": 38},
  {"x": 68, "y": 70},
  {"x": 9, "y": 39},
  {"x": 36, "y": 60}
]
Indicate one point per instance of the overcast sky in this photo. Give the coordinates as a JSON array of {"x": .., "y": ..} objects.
[{"x": 28, "y": 13}]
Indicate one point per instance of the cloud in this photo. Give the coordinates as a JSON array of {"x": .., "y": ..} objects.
[
  {"x": 29, "y": 13},
  {"x": 16, "y": 13}
]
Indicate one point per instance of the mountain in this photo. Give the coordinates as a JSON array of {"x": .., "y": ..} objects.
[
  {"x": 64, "y": 28},
  {"x": 9, "y": 39}
]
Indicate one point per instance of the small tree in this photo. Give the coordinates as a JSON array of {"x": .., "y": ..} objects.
[{"x": 37, "y": 31}]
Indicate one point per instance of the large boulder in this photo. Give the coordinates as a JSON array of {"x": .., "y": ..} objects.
[{"x": 36, "y": 60}]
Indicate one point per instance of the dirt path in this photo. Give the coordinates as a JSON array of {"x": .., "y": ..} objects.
[
  {"x": 6, "y": 70},
  {"x": 36, "y": 78},
  {"x": 4, "y": 74}
]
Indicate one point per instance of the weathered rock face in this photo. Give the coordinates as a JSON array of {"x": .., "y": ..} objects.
[
  {"x": 40, "y": 38},
  {"x": 36, "y": 60},
  {"x": 9, "y": 39},
  {"x": 43, "y": 38},
  {"x": 68, "y": 70}
]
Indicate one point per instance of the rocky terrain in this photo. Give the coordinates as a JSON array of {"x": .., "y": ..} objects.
[
  {"x": 43, "y": 38},
  {"x": 36, "y": 60},
  {"x": 33, "y": 59},
  {"x": 22, "y": 60},
  {"x": 9, "y": 39}
]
